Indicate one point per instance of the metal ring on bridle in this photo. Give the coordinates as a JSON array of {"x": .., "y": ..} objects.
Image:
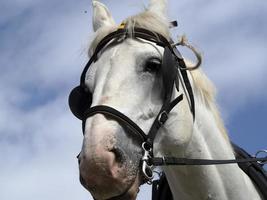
[
  {"x": 162, "y": 118},
  {"x": 264, "y": 151}
]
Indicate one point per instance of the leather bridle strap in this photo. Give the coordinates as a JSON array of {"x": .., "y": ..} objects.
[
  {"x": 160, "y": 161},
  {"x": 128, "y": 123},
  {"x": 99, "y": 47},
  {"x": 137, "y": 32},
  {"x": 118, "y": 116},
  {"x": 161, "y": 119},
  {"x": 186, "y": 81}
]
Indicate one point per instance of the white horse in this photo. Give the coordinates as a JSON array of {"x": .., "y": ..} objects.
[{"x": 126, "y": 77}]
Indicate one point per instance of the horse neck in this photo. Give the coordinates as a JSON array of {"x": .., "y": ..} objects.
[{"x": 208, "y": 182}]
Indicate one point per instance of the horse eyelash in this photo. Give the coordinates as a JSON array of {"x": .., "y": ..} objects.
[{"x": 152, "y": 65}]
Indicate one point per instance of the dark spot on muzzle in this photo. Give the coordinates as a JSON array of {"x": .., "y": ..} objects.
[{"x": 119, "y": 155}]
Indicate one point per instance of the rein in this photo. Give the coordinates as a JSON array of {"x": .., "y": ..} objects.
[{"x": 158, "y": 161}]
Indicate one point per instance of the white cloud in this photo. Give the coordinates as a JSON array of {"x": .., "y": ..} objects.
[
  {"x": 43, "y": 49},
  {"x": 231, "y": 37}
]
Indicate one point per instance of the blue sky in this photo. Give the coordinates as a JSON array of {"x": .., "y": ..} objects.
[{"x": 42, "y": 52}]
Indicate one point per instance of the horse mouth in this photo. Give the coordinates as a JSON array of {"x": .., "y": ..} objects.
[
  {"x": 130, "y": 193},
  {"x": 109, "y": 174}
]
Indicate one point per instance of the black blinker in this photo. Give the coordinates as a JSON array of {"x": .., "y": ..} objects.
[
  {"x": 169, "y": 71},
  {"x": 79, "y": 101}
]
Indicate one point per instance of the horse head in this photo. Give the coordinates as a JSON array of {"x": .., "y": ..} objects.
[{"x": 127, "y": 76}]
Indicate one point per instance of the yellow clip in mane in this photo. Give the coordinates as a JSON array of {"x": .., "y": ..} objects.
[{"x": 122, "y": 25}]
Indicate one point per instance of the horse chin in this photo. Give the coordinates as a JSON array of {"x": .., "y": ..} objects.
[
  {"x": 131, "y": 193},
  {"x": 126, "y": 189}
]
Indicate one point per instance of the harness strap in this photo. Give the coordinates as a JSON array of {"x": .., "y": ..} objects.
[
  {"x": 158, "y": 161},
  {"x": 188, "y": 86}
]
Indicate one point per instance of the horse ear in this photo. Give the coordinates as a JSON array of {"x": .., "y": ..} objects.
[
  {"x": 159, "y": 7},
  {"x": 101, "y": 16}
]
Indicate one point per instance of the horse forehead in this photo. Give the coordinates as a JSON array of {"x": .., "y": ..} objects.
[
  {"x": 127, "y": 54},
  {"x": 121, "y": 60},
  {"x": 146, "y": 46}
]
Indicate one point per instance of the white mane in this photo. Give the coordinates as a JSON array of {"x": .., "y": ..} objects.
[{"x": 207, "y": 93}]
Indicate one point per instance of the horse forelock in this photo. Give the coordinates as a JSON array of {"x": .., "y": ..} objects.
[{"x": 147, "y": 20}]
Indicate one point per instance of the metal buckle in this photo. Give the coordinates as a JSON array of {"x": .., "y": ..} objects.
[
  {"x": 264, "y": 151},
  {"x": 162, "y": 120},
  {"x": 147, "y": 168},
  {"x": 122, "y": 25}
]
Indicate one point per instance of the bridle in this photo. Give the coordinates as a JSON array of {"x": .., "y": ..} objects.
[{"x": 172, "y": 63}]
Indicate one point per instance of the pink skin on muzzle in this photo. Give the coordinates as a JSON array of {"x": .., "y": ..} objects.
[{"x": 109, "y": 161}]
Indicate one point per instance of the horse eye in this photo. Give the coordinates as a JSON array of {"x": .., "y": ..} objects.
[{"x": 152, "y": 65}]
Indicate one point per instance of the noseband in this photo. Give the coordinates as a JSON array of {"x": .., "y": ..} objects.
[{"x": 80, "y": 100}]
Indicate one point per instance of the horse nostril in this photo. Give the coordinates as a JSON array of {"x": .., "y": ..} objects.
[
  {"x": 119, "y": 155},
  {"x": 78, "y": 157}
]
